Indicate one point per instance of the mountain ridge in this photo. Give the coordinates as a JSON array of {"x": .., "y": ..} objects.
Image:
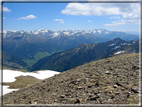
[
  {"x": 19, "y": 43},
  {"x": 85, "y": 53},
  {"x": 10, "y": 61},
  {"x": 55, "y": 33}
]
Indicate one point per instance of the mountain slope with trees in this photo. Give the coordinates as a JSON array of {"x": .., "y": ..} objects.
[
  {"x": 85, "y": 53},
  {"x": 10, "y": 61}
]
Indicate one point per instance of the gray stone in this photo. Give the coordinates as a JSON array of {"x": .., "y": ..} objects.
[
  {"x": 62, "y": 96},
  {"x": 80, "y": 87},
  {"x": 107, "y": 72},
  {"x": 115, "y": 86},
  {"x": 135, "y": 89}
]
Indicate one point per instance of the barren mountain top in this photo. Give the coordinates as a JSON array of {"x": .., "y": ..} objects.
[{"x": 113, "y": 80}]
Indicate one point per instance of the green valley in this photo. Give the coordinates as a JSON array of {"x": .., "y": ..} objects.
[{"x": 37, "y": 57}]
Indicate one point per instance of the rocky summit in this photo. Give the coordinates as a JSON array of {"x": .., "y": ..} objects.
[{"x": 114, "y": 80}]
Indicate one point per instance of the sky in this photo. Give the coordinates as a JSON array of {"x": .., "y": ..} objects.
[{"x": 71, "y": 16}]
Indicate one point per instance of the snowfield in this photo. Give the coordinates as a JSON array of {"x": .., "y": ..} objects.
[
  {"x": 7, "y": 90},
  {"x": 119, "y": 52},
  {"x": 9, "y": 76}
]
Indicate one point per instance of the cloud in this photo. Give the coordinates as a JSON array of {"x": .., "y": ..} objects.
[
  {"x": 59, "y": 20},
  {"x": 5, "y": 9},
  {"x": 89, "y": 20},
  {"x": 116, "y": 23},
  {"x": 90, "y": 9},
  {"x": 128, "y": 11},
  {"x": 115, "y": 17},
  {"x": 27, "y": 17},
  {"x": 3, "y": 17}
]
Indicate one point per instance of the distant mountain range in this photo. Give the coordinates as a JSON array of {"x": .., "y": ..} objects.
[
  {"x": 132, "y": 32},
  {"x": 85, "y": 53},
  {"x": 49, "y": 34},
  {"x": 26, "y": 44}
]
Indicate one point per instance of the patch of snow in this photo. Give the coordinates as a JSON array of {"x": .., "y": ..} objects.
[
  {"x": 119, "y": 52},
  {"x": 43, "y": 30},
  {"x": 39, "y": 75},
  {"x": 4, "y": 31},
  {"x": 72, "y": 33},
  {"x": 66, "y": 33},
  {"x": 40, "y": 31},
  {"x": 85, "y": 32},
  {"x": 112, "y": 44},
  {"x": 21, "y": 32},
  {"x": 29, "y": 32},
  {"x": 116, "y": 47},
  {"x": 9, "y": 76},
  {"x": 36, "y": 32},
  {"x": 124, "y": 44},
  {"x": 76, "y": 31},
  {"x": 13, "y": 30},
  {"x": 94, "y": 31},
  {"x": 7, "y": 90},
  {"x": 106, "y": 32},
  {"x": 55, "y": 34},
  {"x": 99, "y": 31}
]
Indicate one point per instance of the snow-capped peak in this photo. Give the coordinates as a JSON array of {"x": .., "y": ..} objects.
[
  {"x": 4, "y": 31},
  {"x": 66, "y": 33},
  {"x": 106, "y": 32},
  {"x": 55, "y": 34},
  {"x": 99, "y": 31},
  {"x": 43, "y": 31}
]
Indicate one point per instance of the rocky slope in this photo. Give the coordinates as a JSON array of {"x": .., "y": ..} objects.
[{"x": 113, "y": 80}]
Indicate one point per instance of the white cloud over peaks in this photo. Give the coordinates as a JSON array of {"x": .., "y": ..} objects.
[
  {"x": 5, "y": 9},
  {"x": 115, "y": 17},
  {"x": 116, "y": 23},
  {"x": 27, "y": 17},
  {"x": 90, "y": 9},
  {"x": 128, "y": 11},
  {"x": 59, "y": 20},
  {"x": 89, "y": 20}
]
